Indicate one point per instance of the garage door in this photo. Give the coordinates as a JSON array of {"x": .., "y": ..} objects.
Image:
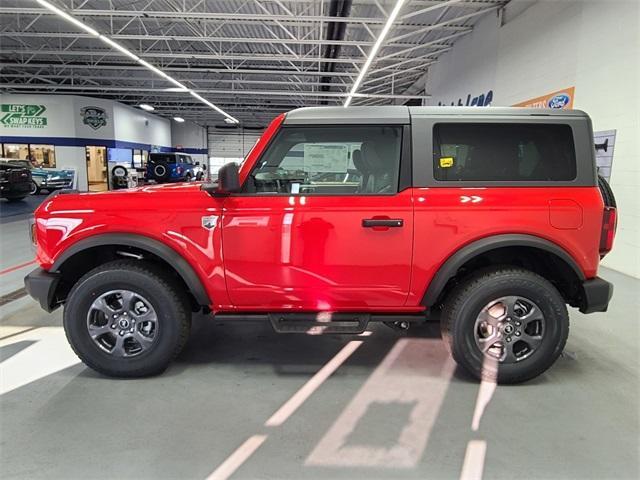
[{"x": 229, "y": 145}]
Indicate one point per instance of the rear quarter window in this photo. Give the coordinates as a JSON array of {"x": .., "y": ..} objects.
[
  {"x": 503, "y": 152},
  {"x": 162, "y": 157}
]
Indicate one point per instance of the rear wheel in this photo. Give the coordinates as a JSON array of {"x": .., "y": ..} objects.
[
  {"x": 505, "y": 324},
  {"x": 127, "y": 319}
]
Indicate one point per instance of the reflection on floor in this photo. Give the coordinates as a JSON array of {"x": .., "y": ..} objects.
[{"x": 394, "y": 407}]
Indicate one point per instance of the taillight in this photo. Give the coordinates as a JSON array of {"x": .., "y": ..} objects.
[
  {"x": 609, "y": 224},
  {"x": 32, "y": 232}
]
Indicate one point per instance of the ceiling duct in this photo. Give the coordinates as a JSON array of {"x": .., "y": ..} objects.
[{"x": 335, "y": 31}]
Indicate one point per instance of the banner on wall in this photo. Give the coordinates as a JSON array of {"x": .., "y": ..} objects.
[
  {"x": 22, "y": 115},
  {"x": 558, "y": 99}
]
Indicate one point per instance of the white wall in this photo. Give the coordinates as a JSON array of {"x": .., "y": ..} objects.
[
  {"x": 136, "y": 125},
  {"x": 64, "y": 121},
  {"x": 552, "y": 45},
  {"x": 189, "y": 135}
]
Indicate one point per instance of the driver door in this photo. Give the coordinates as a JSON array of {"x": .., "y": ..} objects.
[{"x": 321, "y": 223}]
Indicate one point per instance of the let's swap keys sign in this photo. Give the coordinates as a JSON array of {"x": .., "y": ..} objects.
[{"x": 20, "y": 115}]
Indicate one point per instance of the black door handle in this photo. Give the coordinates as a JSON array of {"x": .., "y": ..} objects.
[{"x": 382, "y": 222}]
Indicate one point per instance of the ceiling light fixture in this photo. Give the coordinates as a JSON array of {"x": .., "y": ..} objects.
[
  {"x": 179, "y": 119},
  {"x": 178, "y": 86},
  {"x": 374, "y": 50},
  {"x": 175, "y": 89},
  {"x": 146, "y": 107}
]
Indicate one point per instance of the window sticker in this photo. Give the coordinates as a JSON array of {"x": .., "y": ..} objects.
[
  {"x": 326, "y": 157},
  {"x": 446, "y": 162}
]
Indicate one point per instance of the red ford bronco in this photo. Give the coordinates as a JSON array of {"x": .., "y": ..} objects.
[{"x": 493, "y": 219}]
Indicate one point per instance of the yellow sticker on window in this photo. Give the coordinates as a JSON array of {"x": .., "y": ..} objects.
[{"x": 446, "y": 162}]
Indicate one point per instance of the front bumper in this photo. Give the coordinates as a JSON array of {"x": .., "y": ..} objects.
[
  {"x": 65, "y": 183},
  {"x": 42, "y": 285},
  {"x": 596, "y": 294}
]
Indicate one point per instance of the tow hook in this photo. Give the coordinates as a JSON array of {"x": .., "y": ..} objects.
[{"x": 401, "y": 325}]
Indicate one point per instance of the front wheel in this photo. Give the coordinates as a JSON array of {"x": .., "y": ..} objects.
[
  {"x": 35, "y": 189},
  {"x": 505, "y": 324},
  {"x": 127, "y": 318}
]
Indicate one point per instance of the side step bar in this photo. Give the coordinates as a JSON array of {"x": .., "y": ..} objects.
[{"x": 324, "y": 322}]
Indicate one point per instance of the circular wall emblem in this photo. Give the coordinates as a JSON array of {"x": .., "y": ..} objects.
[{"x": 95, "y": 117}]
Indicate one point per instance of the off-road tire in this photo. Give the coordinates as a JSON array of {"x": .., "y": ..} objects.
[
  {"x": 607, "y": 194},
  {"x": 199, "y": 176},
  {"x": 167, "y": 298},
  {"x": 466, "y": 300}
]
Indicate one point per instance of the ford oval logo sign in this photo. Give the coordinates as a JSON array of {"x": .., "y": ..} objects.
[{"x": 559, "y": 101}]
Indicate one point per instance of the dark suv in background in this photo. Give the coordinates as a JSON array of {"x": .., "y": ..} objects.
[
  {"x": 173, "y": 167},
  {"x": 15, "y": 181}
]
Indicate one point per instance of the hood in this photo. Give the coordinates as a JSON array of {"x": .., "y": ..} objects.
[{"x": 169, "y": 197}]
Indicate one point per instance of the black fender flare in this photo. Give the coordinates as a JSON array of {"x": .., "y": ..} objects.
[
  {"x": 168, "y": 254},
  {"x": 449, "y": 268}
]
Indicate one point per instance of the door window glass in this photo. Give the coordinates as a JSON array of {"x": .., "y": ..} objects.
[
  {"x": 330, "y": 160},
  {"x": 503, "y": 152}
]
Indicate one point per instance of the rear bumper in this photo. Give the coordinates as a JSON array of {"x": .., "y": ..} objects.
[
  {"x": 41, "y": 285},
  {"x": 596, "y": 294}
]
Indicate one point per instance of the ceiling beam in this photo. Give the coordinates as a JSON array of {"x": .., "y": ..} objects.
[{"x": 208, "y": 91}]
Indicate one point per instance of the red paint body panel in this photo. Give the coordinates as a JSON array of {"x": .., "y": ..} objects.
[
  {"x": 445, "y": 222},
  {"x": 312, "y": 252},
  {"x": 280, "y": 252}
]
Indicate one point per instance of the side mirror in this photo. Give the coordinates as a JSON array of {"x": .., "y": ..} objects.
[
  {"x": 197, "y": 163},
  {"x": 228, "y": 181}
]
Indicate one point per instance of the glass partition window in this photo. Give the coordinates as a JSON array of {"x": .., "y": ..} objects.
[
  {"x": 38, "y": 155},
  {"x": 43, "y": 155},
  {"x": 140, "y": 158},
  {"x": 16, "y": 151},
  {"x": 330, "y": 160}
]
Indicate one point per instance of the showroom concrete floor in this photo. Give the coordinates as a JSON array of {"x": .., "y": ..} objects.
[{"x": 396, "y": 408}]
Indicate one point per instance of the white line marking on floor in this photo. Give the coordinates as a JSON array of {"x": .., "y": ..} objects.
[
  {"x": 414, "y": 375},
  {"x": 237, "y": 458},
  {"x": 474, "y": 460},
  {"x": 487, "y": 389},
  {"x": 50, "y": 354},
  {"x": 291, "y": 405},
  {"x": 485, "y": 393}
]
